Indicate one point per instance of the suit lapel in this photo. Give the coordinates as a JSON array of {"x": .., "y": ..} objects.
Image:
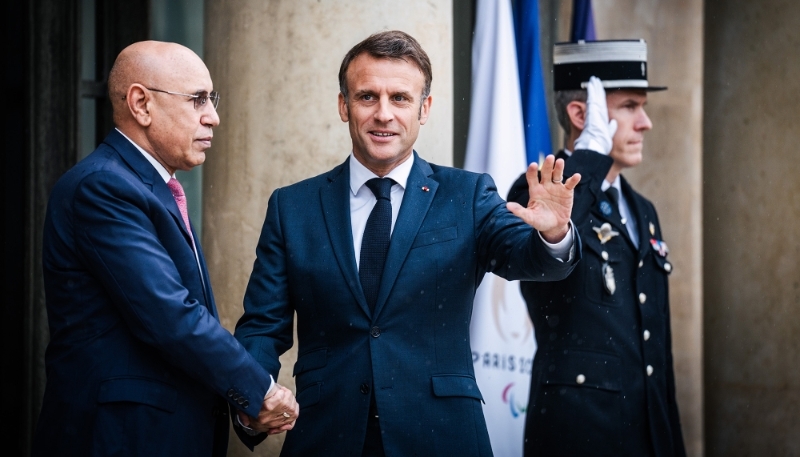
[
  {"x": 335, "y": 201},
  {"x": 598, "y": 207},
  {"x": 416, "y": 202},
  {"x": 153, "y": 181},
  {"x": 205, "y": 280},
  {"x": 149, "y": 176}
]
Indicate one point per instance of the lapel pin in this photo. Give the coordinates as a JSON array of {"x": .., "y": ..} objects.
[
  {"x": 604, "y": 232},
  {"x": 425, "y": 189},
  {"x": 605, "y": 208}
]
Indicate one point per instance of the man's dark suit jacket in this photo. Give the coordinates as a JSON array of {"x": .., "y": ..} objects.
[
  {"x": 138, "y": 364},
  {"x": 591, "y": 393},
  {"x": 414, "y": 349}
]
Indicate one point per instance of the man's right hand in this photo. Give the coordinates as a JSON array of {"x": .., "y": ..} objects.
[
  {"x": 598, "y": 132},
  {"x": 278, "y": 413}
]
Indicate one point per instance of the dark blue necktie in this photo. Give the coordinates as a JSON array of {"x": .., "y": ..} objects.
[
  {"x": 375, "y": 243},
  {"x": 613, "y": 194}
]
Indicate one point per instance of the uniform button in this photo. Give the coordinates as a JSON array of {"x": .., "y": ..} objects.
[
  {"x": 375, "y": 332},
  {"x": 642, "y": 298},
  {"x": 667, "y": 267},
  {"x": 364, "y": 388},
  {"x": 580, "y": 379},
  {"x": 604, "y": 255},
  {"x": 624, "y": 221},
  {"x": 240, "y": 400},
  {"x": 641, "y": 263},
  {"x": 230, "y": 392},
  {"x": 646, "y": 335},
  {"x": 246, "y": 404},
  {"x": 649, "y": 370}
]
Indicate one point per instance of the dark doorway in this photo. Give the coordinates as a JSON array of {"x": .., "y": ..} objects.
[{"x": 47, "y": 92}]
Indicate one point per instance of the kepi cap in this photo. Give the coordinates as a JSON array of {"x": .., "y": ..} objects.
[{"x": 620, "y": 64}]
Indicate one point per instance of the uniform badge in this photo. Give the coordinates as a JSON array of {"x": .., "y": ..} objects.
[
  {"x": 652, "y": 229},
  {"x": 608, "y": 279},
  {"x": 660, "y": 247},
  {"x": 605, "y": 208},
  {"x": 604, "y": 232}
]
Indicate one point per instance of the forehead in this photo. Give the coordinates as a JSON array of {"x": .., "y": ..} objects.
[
  {"x": 188, "y": 74},
  {"x": 625, "y": 95},
  {"x": 366, "y": 72}
]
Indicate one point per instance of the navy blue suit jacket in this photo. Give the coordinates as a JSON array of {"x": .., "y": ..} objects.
[
  {"x": 413, "y": 352},
  {"x": 137, "y": 363}
]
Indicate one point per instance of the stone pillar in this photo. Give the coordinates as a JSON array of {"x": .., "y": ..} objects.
[
  {"x": 275, "y": 64},
  {"x": 752, "y": 228},
  {"x": 671, "y": 172}
]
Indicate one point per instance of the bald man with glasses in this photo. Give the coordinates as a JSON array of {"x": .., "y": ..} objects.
[{"x": 138, "y": 363}]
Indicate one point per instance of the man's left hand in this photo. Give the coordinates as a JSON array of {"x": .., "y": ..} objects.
[{"x": 550, "y": 199}]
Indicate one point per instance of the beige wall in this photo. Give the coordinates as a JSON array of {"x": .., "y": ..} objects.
[
  {"x": 752, "y": 228},
  {"x": 671, "y": 172},
  {"x": 276, "y": 65}
]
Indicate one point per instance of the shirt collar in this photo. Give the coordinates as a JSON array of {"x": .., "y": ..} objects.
[
  {"x": 359, "y": 174},
  {"x": 159, "y": 168},
  {"x": 616, "y": 185}
]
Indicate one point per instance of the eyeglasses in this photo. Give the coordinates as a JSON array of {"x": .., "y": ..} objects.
[{"x": 200, "y": 98}]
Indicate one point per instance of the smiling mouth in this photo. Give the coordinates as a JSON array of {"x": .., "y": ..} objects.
[{"x": 382, "y": 134}]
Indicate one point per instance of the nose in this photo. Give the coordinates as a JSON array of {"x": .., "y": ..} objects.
[
  {"x": 210, "y": 116},
  {"x": 643, "y": 121},
  {"x": 383, "y": 111}
]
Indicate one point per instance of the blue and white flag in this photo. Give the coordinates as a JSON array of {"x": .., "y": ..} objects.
[{"x": 501, "y": 334}]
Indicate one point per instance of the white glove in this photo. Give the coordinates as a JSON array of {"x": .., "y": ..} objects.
[{"x": 598, "y": 132}]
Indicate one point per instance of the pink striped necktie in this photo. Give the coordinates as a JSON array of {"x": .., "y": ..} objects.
[{"x": 180, "y": 198}]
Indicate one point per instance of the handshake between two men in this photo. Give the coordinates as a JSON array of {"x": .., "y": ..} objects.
[{"x": 278, "y": 414}]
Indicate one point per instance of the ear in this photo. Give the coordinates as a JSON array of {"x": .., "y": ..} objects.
[
  {"x": 139, "y": 100},
  {"x": 425, "y": 110},
  {"x": 577, "y": 114},
  {"x": 344, "y": 110}
]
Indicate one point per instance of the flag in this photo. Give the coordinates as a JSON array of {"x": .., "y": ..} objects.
[
  {"x": 501, "y": 332},
  {"x": 531, "y": 80},
  {"x": 582, "y": 21}
]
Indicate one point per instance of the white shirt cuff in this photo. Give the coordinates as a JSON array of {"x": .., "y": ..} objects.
[
  {"x": 247, "y": 429},
  {"x": 564, "y": 250}
]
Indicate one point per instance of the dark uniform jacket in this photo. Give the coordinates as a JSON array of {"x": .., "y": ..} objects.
[{"x": 602, "y": 380}]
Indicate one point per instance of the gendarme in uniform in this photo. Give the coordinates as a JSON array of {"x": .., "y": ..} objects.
[{"x": 603, "y": 380}]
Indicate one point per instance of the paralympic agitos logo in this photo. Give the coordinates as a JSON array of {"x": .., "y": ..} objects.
[{"x": 517, "y": 408}]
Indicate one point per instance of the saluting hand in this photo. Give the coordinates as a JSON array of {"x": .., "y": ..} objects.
[
  {"x": 550, "y": 199},
  {"x": 598, "y": 131}
]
